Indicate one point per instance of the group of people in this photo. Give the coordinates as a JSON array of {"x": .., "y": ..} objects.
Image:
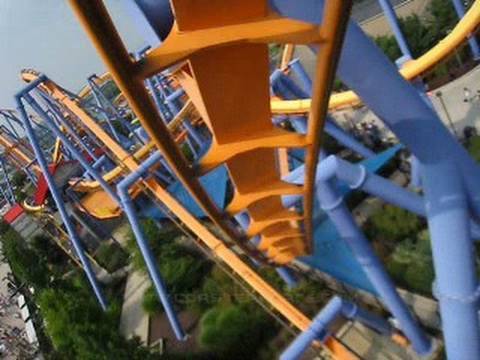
[
  {"x": 13, "y": 340},
  {"x": 470, "y": 96},
  {"x": 369, "y": 134}
]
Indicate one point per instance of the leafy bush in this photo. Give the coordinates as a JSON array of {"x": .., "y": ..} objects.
[
  {"x": 150, "y": 302},
  {"x": 391, "y": 225},
  {"x": 79, "y": 328},
  {"x": 235, "y": 331},
  {"x": 24, "y": 262},
  {"x": 182, "y": 270},
  {"x": 411, "y": 264},
  {"x": 111, "y": 256}
]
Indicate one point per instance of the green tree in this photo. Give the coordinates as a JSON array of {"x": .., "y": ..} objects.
[
  {"x": 24, "y": 262},
  {"x": 419, "y": 35},
  {"x": 391, "y": 225},
  {"x": 234, "y": 332},
  {"x": 443, "y": 18},
  {"x": 389, "y": 46},
  {"x": 79, "y": 328},
  {"x": 411, "y": 263}
]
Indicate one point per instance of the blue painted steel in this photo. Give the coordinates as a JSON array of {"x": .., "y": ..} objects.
[
  {"x": 67, "y": 143},
  {"x": 60, "y": 118},
  {"x": 141, "y": 23},
  {"x": 77, "y": 245},
  {"x": 157, "y": 98},
  {"x": 297, "y": 68},
  {"x": 331, "y": 254},
  {"x": 106, "y": 117},
  {"x": 389, "y": 12},
  {"x": 318, "y": 330},
  {"x": 358, "y": 177},
  {"x": 472, "y": 41},
  {"x": 414, "y": 122},
  {"x": 158, "y": 14},
  {"x": 172, "y": 103},
  {"x": 454, "y": 257},
  {"x": 215, "y": 183},
  {"x": 10, "y": 195},
  {"x": 418, "y": 127},
  {"x": 286, "y": 90},
  {"x": 143, "y": 245},
  {"x": 110, "y": 112},
  {"x": 344, "y": 138},
  {"x": 287, "y": 276},
  {"x": 333, "y": 204}
]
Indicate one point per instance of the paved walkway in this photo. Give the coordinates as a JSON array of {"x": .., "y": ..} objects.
[{"x": 134, "y": 321}]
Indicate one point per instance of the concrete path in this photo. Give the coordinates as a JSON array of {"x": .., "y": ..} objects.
[{"x": 134, "y": 321}]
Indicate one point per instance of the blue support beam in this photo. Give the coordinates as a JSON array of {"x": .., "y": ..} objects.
[
  {"x": 72, "y": 233},
  {"x": 129, "y": 208},
  {"x": 392, "y": 19},
  {"x": 319, "y": 329},
  {"x": 472, "y": 41}
]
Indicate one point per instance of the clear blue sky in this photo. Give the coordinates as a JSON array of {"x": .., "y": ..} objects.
[{"x": 44, "y": 35}]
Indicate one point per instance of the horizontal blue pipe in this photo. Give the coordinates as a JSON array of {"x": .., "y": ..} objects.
[
  {"x": 357, "y": 177},
  {"x": 32, "y": 85},
  {"x": 318, "y": 330},
  {"x": 72, "y": 233},
  {"x": 129, "y": 209}
]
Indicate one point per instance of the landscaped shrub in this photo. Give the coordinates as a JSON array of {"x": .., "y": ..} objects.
[
  {"x": 235, "y": 331},
  {"x": 411, "y": 264},
  {"x": 391, "y": 225}
]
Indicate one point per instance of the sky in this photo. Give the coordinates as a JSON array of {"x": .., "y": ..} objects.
[{"x": 45, "y": 35}]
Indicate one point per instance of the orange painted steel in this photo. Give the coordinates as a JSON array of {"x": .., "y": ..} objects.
[
  {"x": 247, "y": 35},
  {"x": 125, "y": 71},
  {"x": 243, "y": 136},
  {"x": 335, "y": 20},
  {"x": 287, "y": 55},
  {"x": 255, "y": 28},
  {"x": 16, "y": 154}
]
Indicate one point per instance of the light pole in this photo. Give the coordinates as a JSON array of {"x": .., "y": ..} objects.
[{"x": 450, "y": 122}]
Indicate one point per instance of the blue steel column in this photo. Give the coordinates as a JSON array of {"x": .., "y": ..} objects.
[
  {"x": 318, "y": 330},
  {"x": 333, "y": 204},
  {"x": 404, "y": 111},
  {"x": 454, "y": 259},
  {"x": 143, "y": 245},
  {"x": 77, "y": 245},
  {"x": 472, "y": 41},
  {"x": 389, "y": 12}
]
